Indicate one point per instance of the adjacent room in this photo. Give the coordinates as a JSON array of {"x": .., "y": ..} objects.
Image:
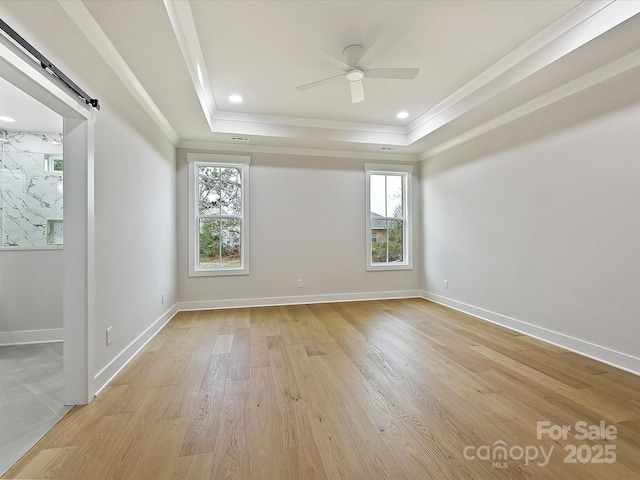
[
  {"x": 273, "y": 239},
  {"x": 31, "y": 214}
]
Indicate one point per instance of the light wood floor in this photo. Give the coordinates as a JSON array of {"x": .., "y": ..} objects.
[{"x": 365, "y": 390}]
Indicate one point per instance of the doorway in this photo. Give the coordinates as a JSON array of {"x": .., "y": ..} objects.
[
  {"x": 74, "y": 282},
  {"x": 31, "y": 266}
]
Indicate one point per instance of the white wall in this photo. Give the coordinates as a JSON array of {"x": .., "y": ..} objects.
[
  {"x": 135, "y": 210},
  {"x": 30, "y": 279},
  {"x": 135, "y": 234},
  {"x": 544, "y": 236},
  {"x": 30, "y": 295},
  {"x": 308, "y": 222}
]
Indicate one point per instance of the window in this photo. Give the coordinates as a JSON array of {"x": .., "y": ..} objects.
[
  {"x": 218, "y": 214},
  {"x": 388, "y": 213},
  {"x": 53, "y": 163}
]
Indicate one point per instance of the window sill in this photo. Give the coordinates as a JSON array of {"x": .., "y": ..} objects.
[
  {"x": 223, "y": 272},
  {"x": 382, "y": 268}
]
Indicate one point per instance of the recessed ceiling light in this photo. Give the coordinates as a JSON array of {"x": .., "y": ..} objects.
[
  {"x": 7, "y": 119},
  {"x": 235, "y": 98},
  {"x": 402, "y": 114}
]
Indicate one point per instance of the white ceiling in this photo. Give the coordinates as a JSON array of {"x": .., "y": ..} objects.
[
  {"x": 482, "y": 64},
  {"x": 29, "y": 114}
]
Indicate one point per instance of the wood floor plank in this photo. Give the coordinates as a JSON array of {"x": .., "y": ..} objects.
[
  {"x": 138, "y": 432},
  {"x": 240, "y": 360},
  {"x": 267, "y": 452},
  {"x": 231, "y": 460},
  {"x": 304, "y": 463},
  {"x": 259, "y": 351},
  {"x": 364, "y": 370},
  {"x": 158, "y": 458},
  {"x": 204, "y": 423},
  {"x": 587, "y": 397},
  {"x": 193, "y": 467},
  {"x": 96, "y": 454},
  {"x": 188, "y": 386},
  {"x": 223, "y": 344},
  {"x": 47, "y": 463},
  {"x": 420, "y": 454},
  {"x": 348, "y": 443},
  {"x": 295, "y": 427},
  {"x": 387, "y": 389}
]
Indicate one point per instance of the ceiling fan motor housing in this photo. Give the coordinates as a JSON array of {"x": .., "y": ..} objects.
[{"x": 352, "y": 54}]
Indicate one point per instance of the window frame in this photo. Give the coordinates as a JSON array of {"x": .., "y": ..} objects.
[
  {"x": 241, "y": 162},
  {"x": 405, "y": 172}
]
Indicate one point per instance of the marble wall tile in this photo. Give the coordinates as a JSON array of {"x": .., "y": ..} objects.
[{"x": 30, "y": 194}]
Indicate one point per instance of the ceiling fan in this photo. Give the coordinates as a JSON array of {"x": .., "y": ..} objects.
[{"x": 355, "y": 62}]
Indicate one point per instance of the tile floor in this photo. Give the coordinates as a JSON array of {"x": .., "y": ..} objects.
[{"x": 31, "y": 386}]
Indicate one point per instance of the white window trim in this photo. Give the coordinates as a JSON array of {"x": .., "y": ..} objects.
[
  {"x": 406, "y": 171},
  {"x": 242, "y": 162}
]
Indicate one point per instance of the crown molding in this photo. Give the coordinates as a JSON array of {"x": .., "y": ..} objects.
[
  {"x": 184, "y": 28},
  {"x": 310, "y": 122},
  {"x": 606, "y": 72},
  {"x": 307, "y": 152},
  {"x": 585, "y": 22},
  {"x": 79, "y": 15}
]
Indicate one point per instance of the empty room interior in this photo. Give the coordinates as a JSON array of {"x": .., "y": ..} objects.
[{"x": 319, "y": 239}]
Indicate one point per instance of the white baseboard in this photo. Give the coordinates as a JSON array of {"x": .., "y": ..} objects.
[
  {"x": 104, "y": 376},
  {"x": 25, "y": 337},
  {"x": 295, "y": 300},
  {"x": 602, "y": 354}
]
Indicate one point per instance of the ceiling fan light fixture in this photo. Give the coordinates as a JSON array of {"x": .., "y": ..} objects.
[
  {"x": 235, "y": 98},
  {"x": 355, "y": 75},
  {"x": 402, "y": 115}
]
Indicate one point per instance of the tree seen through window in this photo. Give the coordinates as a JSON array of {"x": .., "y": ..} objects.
[{"x": 220, "y": 216}]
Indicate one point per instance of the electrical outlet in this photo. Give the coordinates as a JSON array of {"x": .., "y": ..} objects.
[
  {"x": 446, "y": 284},
  {"x": 109, "y": 335},
  {"x": 300, "y": 283},
  {"x": 163, "y": 299}
]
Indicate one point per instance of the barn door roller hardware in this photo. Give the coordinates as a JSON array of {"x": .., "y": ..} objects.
[{"x": 47, "y": 65}]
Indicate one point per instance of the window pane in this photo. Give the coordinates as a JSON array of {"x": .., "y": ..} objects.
[
  {"x": 231, "y": 243},
  {"x": 379, "y": 247},
  {"x": 396, "y": 240},
  {"x": 376, "y": 193},
  {"x": 209, "y": 243},
  {"x": 220, "y": 243},
  {"x": 209, "y": 190},
  {"x": 394, "y": 196},
  {"x": 231, "y": 191}
]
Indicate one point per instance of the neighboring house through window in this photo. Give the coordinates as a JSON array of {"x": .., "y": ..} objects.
[
  {"x": 218, "y": 214},
  {"x": 388, "y": 213}
]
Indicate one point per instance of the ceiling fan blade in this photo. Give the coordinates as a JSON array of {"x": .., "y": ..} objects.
[
  {"x": 395, "y": 73},
  {"x": 317, "y": 83},
  {"x": 380, "y": 46},
  {"x": 357, "y": 91},
  {"x": 327, "y": 57}
]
